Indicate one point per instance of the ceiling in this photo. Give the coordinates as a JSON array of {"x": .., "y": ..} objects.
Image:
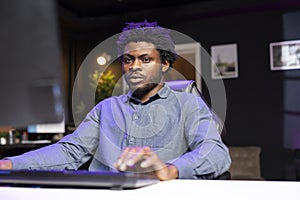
[
  {"x": 98, "y": 8},
  {"x": 93, "y": 14}
]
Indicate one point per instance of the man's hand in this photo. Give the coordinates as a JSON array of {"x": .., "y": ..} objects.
[
  {"x": 5, "y": 165},
  {"x": 144, "y": 160}
]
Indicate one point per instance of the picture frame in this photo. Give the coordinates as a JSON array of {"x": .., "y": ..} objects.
[
  {"x": 224, "y": 61},
  {"x": 188, "y": 63},
  {"x": 285, "y": 55}
]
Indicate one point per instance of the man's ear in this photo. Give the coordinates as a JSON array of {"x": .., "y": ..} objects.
[{"x": 165, "y": 66}]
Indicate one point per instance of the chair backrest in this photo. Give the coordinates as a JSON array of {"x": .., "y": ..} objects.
[{"x": 189, "y": 86}]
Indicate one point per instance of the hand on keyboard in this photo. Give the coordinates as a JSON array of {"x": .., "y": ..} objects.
[{"x": 144, "y": 160}]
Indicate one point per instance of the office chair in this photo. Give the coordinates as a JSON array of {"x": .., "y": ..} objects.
[{"x": 190, "y": 86}]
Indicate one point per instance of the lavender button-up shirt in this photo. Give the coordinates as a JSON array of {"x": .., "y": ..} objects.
[{"x": 178, "y": 126}]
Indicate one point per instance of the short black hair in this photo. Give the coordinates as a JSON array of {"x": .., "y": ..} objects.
[{"x": 148, "y": 32}]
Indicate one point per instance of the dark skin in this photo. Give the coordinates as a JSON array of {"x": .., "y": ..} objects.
[{"x": 143, "y": 70}]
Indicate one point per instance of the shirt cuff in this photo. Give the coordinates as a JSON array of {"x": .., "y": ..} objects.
[
  {"x": 17, "y": 162},
  {"x": 185, "y": 168}
]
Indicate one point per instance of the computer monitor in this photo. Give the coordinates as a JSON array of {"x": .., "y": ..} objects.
[{"x": 30, "y": 64}]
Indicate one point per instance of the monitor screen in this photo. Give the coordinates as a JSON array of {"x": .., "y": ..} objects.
[{"x": 30, "y": 64}]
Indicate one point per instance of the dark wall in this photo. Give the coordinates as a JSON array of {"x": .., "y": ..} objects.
[{"x": 254, "y": 100}]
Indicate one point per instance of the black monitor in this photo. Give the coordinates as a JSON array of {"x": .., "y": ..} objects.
[{"x": 30, "y": 64}]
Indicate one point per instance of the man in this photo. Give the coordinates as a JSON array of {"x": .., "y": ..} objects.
[{"x": 152, "y": 129}]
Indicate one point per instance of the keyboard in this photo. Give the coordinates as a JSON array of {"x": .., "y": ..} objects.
[{"x": 76, "y": 179}]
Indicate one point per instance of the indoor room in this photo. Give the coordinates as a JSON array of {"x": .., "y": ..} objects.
[{"x": 219, "y": 46}]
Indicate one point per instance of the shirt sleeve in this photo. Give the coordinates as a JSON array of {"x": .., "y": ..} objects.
[
  {"x": 69, "y": 153},
  {"x": 208, "y": 156}
]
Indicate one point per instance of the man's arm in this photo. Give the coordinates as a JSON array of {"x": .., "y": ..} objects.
[
  {"x": 208, "y": 156},
  {"x": 69, "y": 153}
]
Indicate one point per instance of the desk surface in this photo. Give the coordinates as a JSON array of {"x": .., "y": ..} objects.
[{"x": 175, "y": 189}]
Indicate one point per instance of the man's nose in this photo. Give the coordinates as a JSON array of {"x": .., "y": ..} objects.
[{"x": 136, "y": 64}]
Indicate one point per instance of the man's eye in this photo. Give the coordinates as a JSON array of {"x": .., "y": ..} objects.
[
  {"x": 127, "y": 60},
  {"x": 146, "y": 59}
]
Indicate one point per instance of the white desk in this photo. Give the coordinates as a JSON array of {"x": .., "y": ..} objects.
[{"x": 175, "y": 189}]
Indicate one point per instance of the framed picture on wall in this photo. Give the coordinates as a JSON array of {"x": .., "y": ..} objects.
[
  {"x": 224, "y": 61},
  {"x": 188, "y": 63},
  {"x": 285, "y": 55}
]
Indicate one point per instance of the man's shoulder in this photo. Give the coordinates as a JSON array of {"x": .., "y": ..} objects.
[
  {"x": 189, "y": 99},
  {"x": 113, "y": 99},
  {"x": 184, "y": 95}
]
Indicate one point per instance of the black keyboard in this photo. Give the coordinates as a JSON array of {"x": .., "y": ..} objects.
[{"x": 75, "y": 179}]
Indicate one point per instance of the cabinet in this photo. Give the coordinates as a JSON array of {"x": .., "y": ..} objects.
[{"x": 17, "y": 149}]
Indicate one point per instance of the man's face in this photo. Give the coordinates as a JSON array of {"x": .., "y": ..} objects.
[{"x": 142, "y": 66}]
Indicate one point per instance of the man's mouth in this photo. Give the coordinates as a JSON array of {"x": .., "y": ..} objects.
[{"x": 134, "y": 78}]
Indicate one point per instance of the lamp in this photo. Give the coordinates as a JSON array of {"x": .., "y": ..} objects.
[{"x": 103, "y": 59}]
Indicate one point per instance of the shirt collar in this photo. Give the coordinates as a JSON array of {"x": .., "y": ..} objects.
[{"x": 162, "y": 93}]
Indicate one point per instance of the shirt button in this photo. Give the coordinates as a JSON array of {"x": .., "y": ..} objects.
[
  {"x": 135, "y": 117},
  {"x": 131, "y": 140}
]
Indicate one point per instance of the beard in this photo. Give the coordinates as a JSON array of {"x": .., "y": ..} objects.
[{"x": 142, "y": 91}]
